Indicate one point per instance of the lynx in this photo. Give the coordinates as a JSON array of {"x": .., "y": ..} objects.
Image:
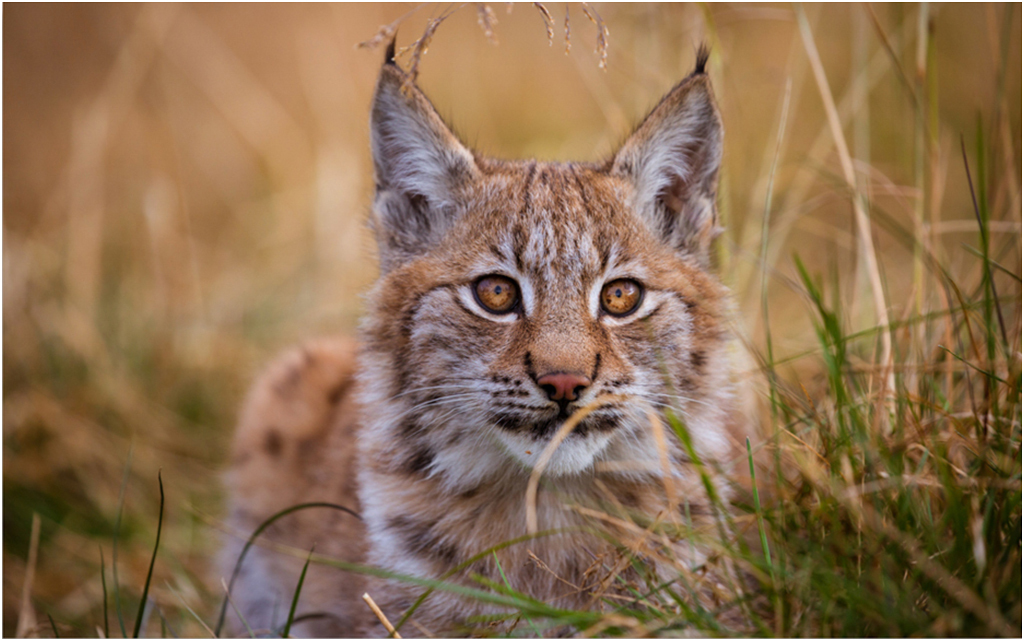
[{"x": 512, "y": 295}]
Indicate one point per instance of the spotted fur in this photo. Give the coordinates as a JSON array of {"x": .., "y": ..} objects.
[{"x": 436, "y": 444}]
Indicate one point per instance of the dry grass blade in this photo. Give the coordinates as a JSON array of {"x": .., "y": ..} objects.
[
  {"x": 487, "y": 20},
  {"x": 549, "y": 451},
  {"x": 420, "y": 47},
  {"x": 892, "y": 54},
  {"x": 568, "y": 40},
  {"x": 863, "y": 223},
  {"x": 658, "y": 429},
  {"x": 188, "y": 608},
  {"x": 27, "y": 616},
  {"x": 602, "y": 34},
  {"x": 549, "y": 21},
  {"x": 238, "y": 612},
  {"x": 380, "y": 615},
  {"x": 384, "y": 34}
]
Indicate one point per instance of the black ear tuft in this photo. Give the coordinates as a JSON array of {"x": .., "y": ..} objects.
[
  {"x": 672, "y": 161},
  {"x": 389, "y": 53},
  {"x": 703, "y": 53},
  {"x": 420, "y": 168}
]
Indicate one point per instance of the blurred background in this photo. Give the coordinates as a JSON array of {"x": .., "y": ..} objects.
[{"x": 185, "y": 190}]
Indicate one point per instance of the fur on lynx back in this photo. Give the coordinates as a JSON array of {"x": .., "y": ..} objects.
[{"x": 607, "y": 301}]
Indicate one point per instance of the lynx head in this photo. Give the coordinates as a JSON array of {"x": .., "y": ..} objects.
[{"x": 513, "y": 293}]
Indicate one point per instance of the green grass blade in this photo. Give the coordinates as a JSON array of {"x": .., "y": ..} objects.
[
  {"x": 992, "y": 263},
  {"x": 981, "y": 214},
  {"x": 152, "y": 562},
  {"x": 295, "y": 597},
  {"x": 117, "y": 533},
  {"x": 465, "y": 564},
  {"x": 103, "y": 583},
  {"x": 971, "y": 365},
  {"x": 760, "y": 515},
  {"x": 508, "y": 585},
  {"x": 252, "y": 539}
]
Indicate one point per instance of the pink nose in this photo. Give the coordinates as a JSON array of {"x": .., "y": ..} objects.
[{"x": 561, "y": 386}]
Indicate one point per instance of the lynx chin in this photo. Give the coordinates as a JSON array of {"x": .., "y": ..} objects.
[{"x": 511, "y": 295}]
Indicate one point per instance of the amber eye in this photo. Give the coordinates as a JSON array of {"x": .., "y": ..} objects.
[
  {"x": 621, "y": 297},
  {"x": 497, "y": 294}
]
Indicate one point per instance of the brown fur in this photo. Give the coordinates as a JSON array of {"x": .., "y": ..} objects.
[{"x": 435, "y": 441}]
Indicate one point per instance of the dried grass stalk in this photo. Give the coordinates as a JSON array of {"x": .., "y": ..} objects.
[
  {"x": 568, "y": 40},
  {"x": 487, "y": 20},
  {"x": 549, "y": 21},
  {"x": 380, "y": 615},
  {"x": 549, "y": 451},
  {"x": 602, "y": 34},
  {"x": 420, "y": 47},
  {"x": 384, "y": 34},
  {"x": 860, "y": 214}
]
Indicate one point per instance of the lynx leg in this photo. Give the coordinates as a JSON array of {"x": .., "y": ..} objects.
[{"x": 295, "y": 443}]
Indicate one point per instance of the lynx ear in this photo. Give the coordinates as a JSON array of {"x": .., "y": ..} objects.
[
  {"x": 672, "y": 159},
  {"x": 419, "y": 166}
]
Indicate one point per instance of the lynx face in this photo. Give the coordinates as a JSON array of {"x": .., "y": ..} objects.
[{"x": 515, "y": 293}]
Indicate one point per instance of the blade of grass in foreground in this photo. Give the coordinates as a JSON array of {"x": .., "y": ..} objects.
[
  {"x": 152, "y": 562},
  {"x": 504, "y": 579},
  {"x": 981, "y": 213},
  {"x": 295, "y": 597},
  {"x": 190, "y": 610},
  {"x": 117, "y": 532},
  {"x": 252, "y": 539},
  {"x": 760, "y": 515},
  {"x": 465, "y": 564},
  {"x": 504, "y": 598},
  {"x": 165, "y": 626},
  {"x": 238, "y": 613},
  {"x": 103, "y": 581},
  {"x": 773, "y": 382}
]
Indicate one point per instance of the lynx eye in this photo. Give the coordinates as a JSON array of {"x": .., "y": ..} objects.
[
  {"x": 621, "y": 297},
  {"x": 496, "y": 294}
]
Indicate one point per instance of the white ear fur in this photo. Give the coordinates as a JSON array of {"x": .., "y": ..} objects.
[
  {"x": 419, "y": 166},
  {"x": 672, "y": 159}
]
